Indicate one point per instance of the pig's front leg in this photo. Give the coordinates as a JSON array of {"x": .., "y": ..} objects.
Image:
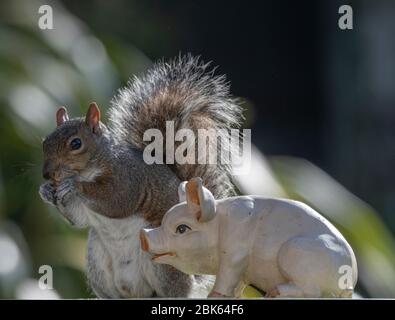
[
  {"x": 230, "y": 274},
  {"x": 234, "y": 246}
]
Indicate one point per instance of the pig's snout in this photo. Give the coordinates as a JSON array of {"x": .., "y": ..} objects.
[
  {"x": 143, "y": 241},
  {"x": 153, "y": 240}
]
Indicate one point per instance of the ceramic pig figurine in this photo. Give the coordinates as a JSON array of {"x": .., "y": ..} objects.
[{"x": 282, "y": 247}]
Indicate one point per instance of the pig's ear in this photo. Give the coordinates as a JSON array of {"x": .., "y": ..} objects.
[
  {"x": 200, "y": 200},
  {"x": 181, "y": 192}
]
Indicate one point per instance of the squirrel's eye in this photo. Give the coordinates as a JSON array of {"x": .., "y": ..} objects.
[
  {"x": 75, "y": 144},
  {"x": 182, "y": 228}
]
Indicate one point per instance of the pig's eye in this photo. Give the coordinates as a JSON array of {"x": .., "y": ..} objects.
[{"x": 182, "y": 228}]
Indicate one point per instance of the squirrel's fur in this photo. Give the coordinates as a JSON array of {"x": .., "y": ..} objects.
[
  {"x": 106, "y": 185},
  {"x": 185, "y": 91}
]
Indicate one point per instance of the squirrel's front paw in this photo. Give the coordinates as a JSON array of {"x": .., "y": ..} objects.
[
  {"x": 65, "y": 192},
  {"x": 47, "y": 193}
]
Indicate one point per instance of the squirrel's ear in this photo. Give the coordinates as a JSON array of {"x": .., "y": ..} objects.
[
  {"x": 181, "y": 192},
  {"x": 92, "y": 118},
  {"x": 61, "y": 116},
  {"x": 200, "y": 200}
]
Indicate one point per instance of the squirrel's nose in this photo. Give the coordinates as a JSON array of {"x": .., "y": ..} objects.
[
  {"x": 46, "y": 175},
  {"x": 47, "y": 172}
]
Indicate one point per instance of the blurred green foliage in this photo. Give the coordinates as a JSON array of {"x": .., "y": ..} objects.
[{"x": 40, "y": 70}]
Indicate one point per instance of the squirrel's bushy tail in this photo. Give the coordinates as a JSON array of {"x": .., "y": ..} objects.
[{"x": 186, "y": 91}]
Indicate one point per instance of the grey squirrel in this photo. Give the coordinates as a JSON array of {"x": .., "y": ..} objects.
[{"x": 97, "y": 178}]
